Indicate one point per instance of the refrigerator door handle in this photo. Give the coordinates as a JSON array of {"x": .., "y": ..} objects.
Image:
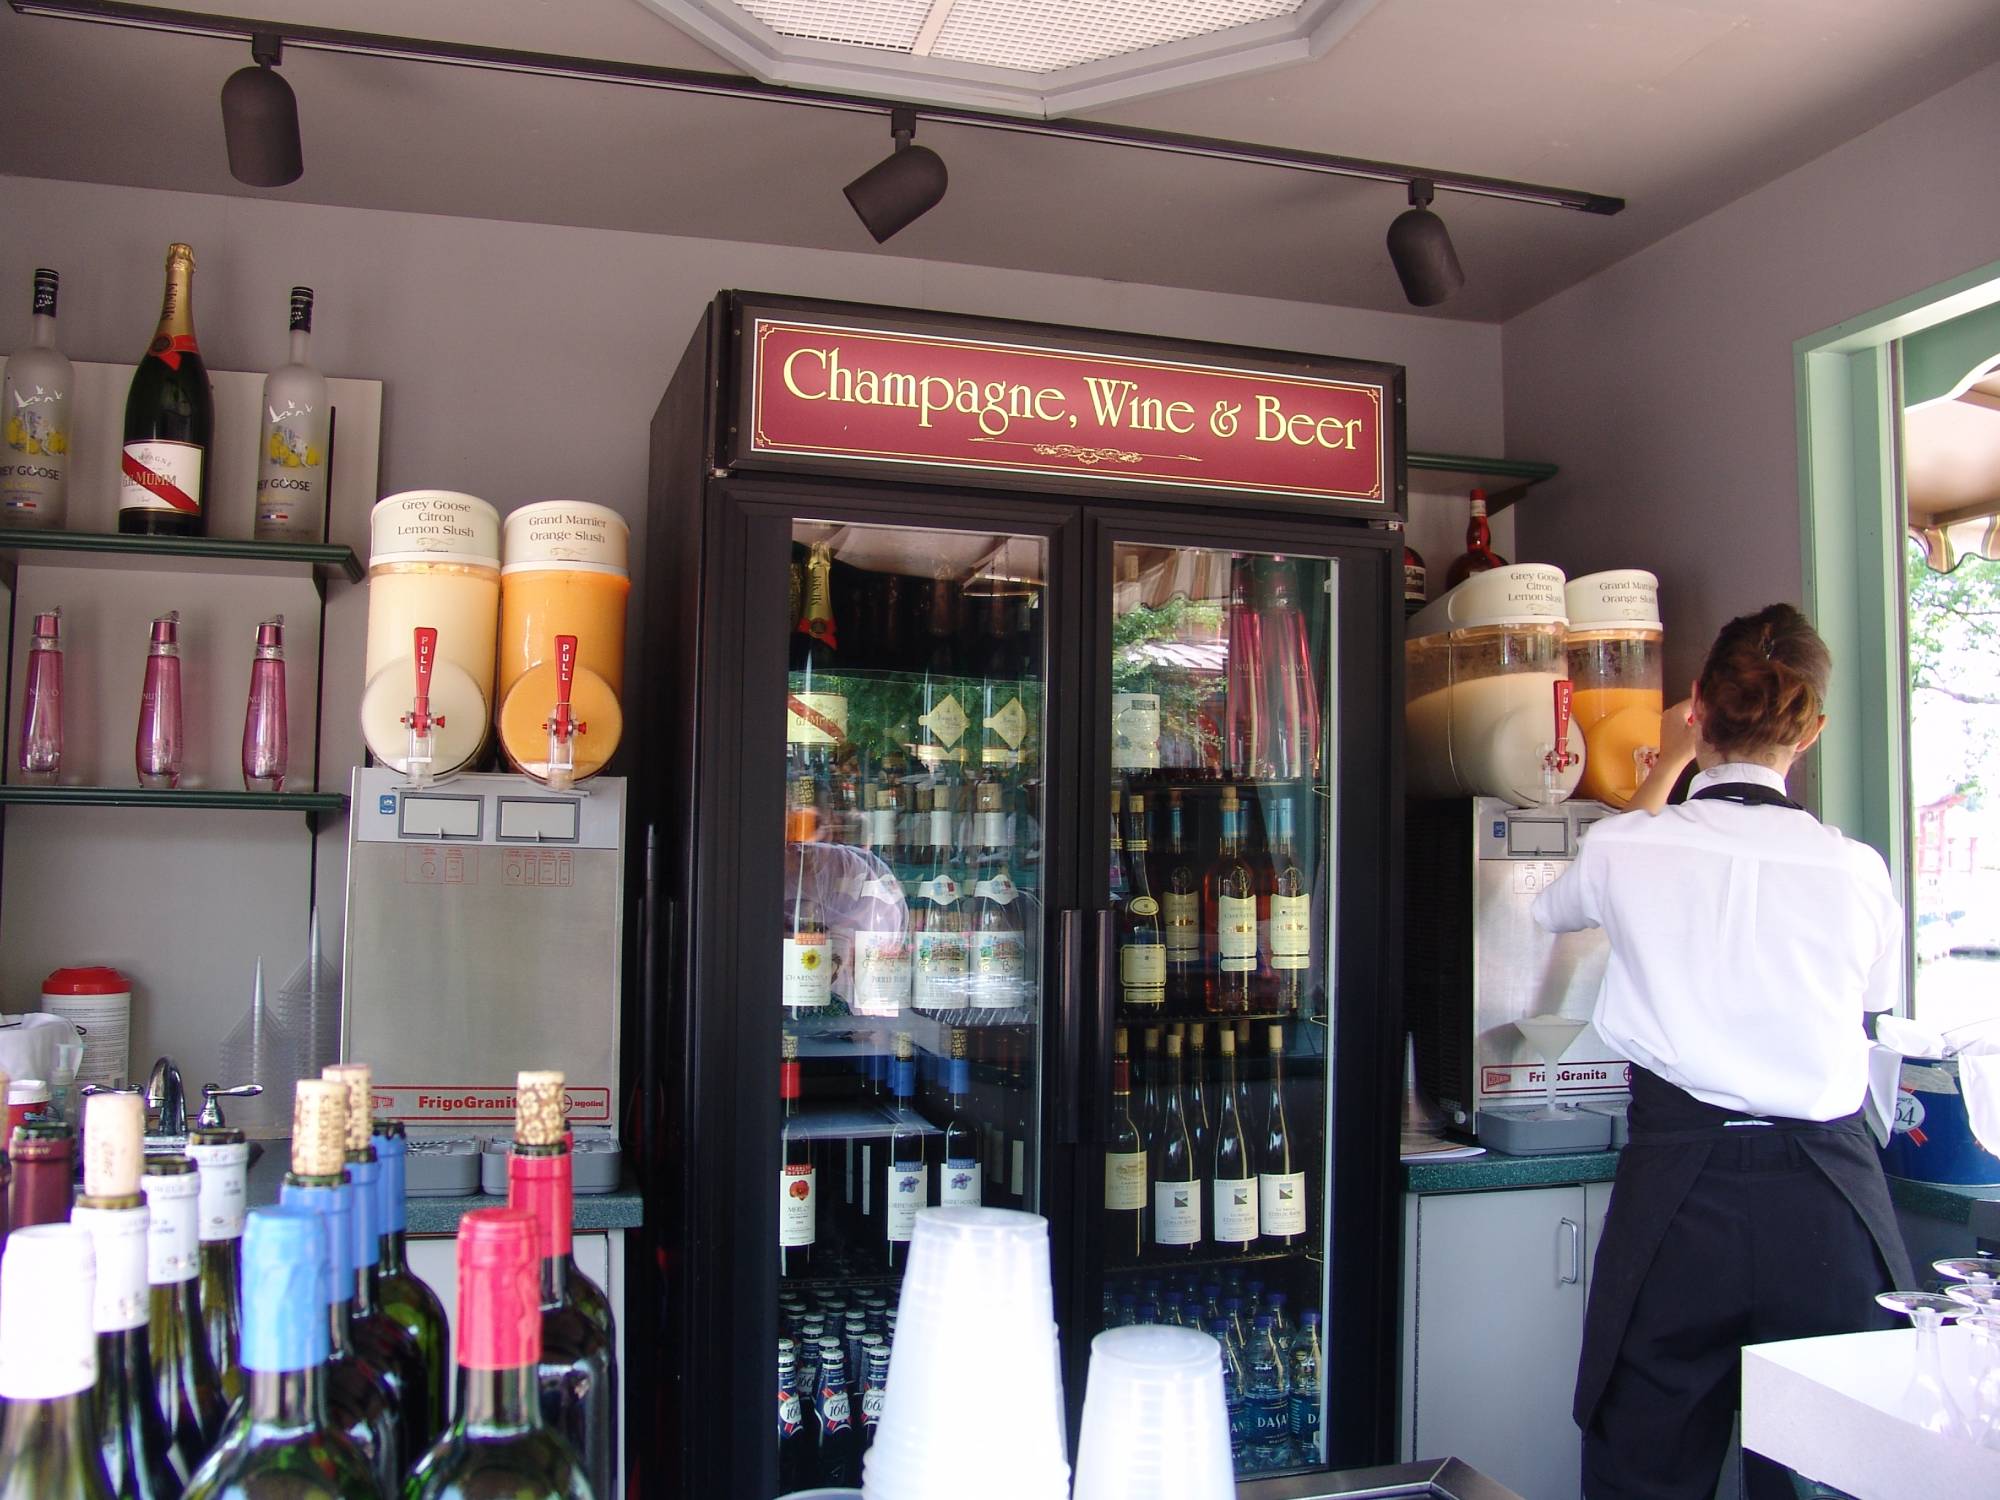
[{"x": 1070, "y": 999}]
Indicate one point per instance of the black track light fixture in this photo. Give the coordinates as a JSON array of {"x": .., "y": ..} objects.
[
  {"x": 1420, "y": 246},
  {"x": 903, "y": 186},
  {"x": 260, "y": 119}
]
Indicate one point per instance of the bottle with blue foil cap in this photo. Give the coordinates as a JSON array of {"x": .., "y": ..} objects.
[
  {"x": 403, "y": 1296},
  {"x": 281, "y": 1438},
  {"x": 359, "y": 1397}
]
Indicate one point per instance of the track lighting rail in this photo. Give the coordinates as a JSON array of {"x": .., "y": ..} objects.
[{"x": 726, "y": 85}]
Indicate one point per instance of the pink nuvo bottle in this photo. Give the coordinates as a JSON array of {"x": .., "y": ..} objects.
[{"x": 266, "y": 744}]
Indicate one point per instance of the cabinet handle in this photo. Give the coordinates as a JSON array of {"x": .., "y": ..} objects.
[{"x": 1575, "y": 1237}]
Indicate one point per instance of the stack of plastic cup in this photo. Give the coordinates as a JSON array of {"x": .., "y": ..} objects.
[
  {"x": 975, "y": 1309},
  {"x": 1154, "y": 1423}
]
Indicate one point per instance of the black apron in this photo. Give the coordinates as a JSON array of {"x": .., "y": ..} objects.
[{"x": 1673, "y": 1135}]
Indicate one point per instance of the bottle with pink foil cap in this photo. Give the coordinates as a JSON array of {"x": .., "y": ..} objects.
[
  {"x": 41, "y": 709},
  {"x": 159, "y": 747},
  {"x": 266, "y": 743}
]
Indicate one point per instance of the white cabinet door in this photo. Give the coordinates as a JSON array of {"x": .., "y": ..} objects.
[{"x": 1495, "y": 1323}]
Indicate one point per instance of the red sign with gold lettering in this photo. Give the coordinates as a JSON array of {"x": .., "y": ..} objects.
[{"x": 928, "y": 400}]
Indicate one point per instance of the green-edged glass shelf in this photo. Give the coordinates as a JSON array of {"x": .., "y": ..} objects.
[
  {"x": 1505, "y": 480},
  {"x": 210, "y": 798},
  {"x": 323, "y": 560}
]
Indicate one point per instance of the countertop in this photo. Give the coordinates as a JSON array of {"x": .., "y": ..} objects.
[
  {"x": 592, "y": 1211},
  {"x": 1949, "y": 1201},
  {"x": 1494, "y": 1171}
]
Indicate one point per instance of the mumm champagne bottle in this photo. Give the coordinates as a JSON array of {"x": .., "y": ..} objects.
[
  {"x": 169, "y": 421},
  {"x": 48, "y": 1367}
]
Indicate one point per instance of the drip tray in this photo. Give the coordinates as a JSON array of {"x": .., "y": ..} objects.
[{"x": 1530, "y": 1130}]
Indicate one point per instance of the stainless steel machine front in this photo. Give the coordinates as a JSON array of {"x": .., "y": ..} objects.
[
  {"x": 484, "y": 935},
  {"x": 1476, "y": 961}
]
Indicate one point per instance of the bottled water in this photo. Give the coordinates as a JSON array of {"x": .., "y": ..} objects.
[
  {"x": 1266, "y": 1391},
  {"x": 1305, "y": 1389},
  {"x": 1281, "y": 1324},
  {"x": 1233, "y": 1397}
]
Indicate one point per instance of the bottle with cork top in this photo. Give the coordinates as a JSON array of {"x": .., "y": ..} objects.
[
  {"x": 381, "y": 1341},
  {"x": 358, "y": 1395},
  {"x": 500, "y": 1442},
  {"x": 281, "y": 1438},
  {"x": 49, "y": 1447},
  {"x": 578, "y": 1367},
  {"x": 222, "y": 1157},
  {"x": 184, "y": 1377},
  {"x": 131, "y": 1432},
  {"x": 402, "y": 1295}
]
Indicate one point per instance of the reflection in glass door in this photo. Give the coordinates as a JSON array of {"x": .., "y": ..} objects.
[
  {"x": 912, "y": 932},
  {"x": 1222, "y": 819}
]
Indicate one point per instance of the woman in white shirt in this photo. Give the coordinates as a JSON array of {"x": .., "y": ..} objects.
[{"x": 1747, "y": 941}]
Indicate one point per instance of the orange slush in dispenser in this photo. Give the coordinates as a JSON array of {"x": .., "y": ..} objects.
[
  {"x": 563, "y": 590},
  {"x": 1616, "y": 661}
]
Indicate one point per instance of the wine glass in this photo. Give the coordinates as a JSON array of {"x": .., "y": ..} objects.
[
  {"x": 1969, "y": 1268},
  {"x": 1926, "y": 1402},
  {"x": 1983, "y": 1299}
]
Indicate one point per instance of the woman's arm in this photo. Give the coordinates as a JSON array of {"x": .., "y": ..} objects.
[{"x": 1679, "y": 737}]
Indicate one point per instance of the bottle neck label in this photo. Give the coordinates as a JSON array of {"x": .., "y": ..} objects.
[
  {"x": 220, "y": 1207},
  {"x": 46, "y": 284},
  {"x": 173, "y": 1241},
  {"x": 119, "y": 1237},
  {"x": 302, "y": 309},
  {"x": 543, "y": 1186},
  {"x": 174, "y": 339}
]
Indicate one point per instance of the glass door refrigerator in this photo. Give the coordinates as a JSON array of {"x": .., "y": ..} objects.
[{"x": 1018, "y": 759}]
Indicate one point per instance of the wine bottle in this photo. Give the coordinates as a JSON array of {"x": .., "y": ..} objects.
[
  {"x": 1229, "y": 913},
  {"x": 1003, "y": 718},
  {"x": 1478, "y": 556},
  {"x": 34, "y": 468},
  {"x": 816, "y": 704},
  {"x": 1233, "y": 1180},
  {"x": 1416, "y": 581},
  {"x": 1292, "y": 685},
  {"x": 501, "y": 1441},
  {"x": 1281, "y": 1180},
  {"x": 383, "y": 1343},
  {"x": 188, "y": 1388},
  {"x": 807, "y": 970},
  {"x": 358, "y": 1396},
  {"x": 907, "y": 1188},
  {"x": 42, "y": 1155},
  {"x": 1288, "y": 941},
  {"x": 1142, "y": 944},
  {"x": 877, "y": 942},
  {"x": 1151, "y": 1097},
  {"x": 402, "y": 1295},
  {"x": 958, "y": 1182},
  {"x": 292, "y": 447},
  {"x": 1125, "y": 1170},
  {"x": 281, "y": 1441},
  {"x": 996, "y": 977},
  {"x": 1116, "y": 883},
  {"x": 1180, "y": 910},
  {"x": 1176, "y": 1183},
  {"x": 1200, "y": 1118},
  {"x": 222, "y": 1157},
  {"x": 49, "y": 1448},
  {"x": 798, "y": 1175},
  {"x": 577, "y": 1372},
  {"x": 169, "y": 421},
  {"x": 130, "y": 1430},
  {"x": 941, "y": 717},
  {"x": 938, "y": 915}
]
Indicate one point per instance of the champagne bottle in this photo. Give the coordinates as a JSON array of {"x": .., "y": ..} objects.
[
  {"x": 816, "y": 701},
  {"x": 223, "y": 1159},
  {"x": 1142, "y": 944},
  {"x": 130, "y": 1430},
  {"x": 1281, "y": 1179},
  {"x": 34, "y": 466},
  {"x": 1229, "y": 912},
  {"x": 1233, "y": 1181},
  {"x": 169, "y": 421},
  {"x": 578, "y": 1370},
  {"x": 400, "y": 1293},
  {"x": 281, "y": 1439},
  {"x": 907, "y": 1188},
  {"x": 807, "y": 971},
  {"x": 1288, "y": 940},
  {"x": 996, "y": 977},
  {"x": 798, "y": 1176},
  {"x": 1176, "y": 1184},
  {"x": 938, "y": 914},
  {"x": 189, "y": 1390},
  {"x": 358, "y": 1397},
  {"x": 49, "y": 1447},
  {"x": 1125, "y": 1168},
  {"x": 382, "y": 1342},
  {"x": 292, "y": 443}
]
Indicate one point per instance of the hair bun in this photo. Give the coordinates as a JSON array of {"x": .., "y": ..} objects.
[{"x": 1764, "y": 683}]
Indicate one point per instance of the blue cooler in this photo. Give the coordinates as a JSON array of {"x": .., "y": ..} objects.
[{"x": 1933, "y": 1140}]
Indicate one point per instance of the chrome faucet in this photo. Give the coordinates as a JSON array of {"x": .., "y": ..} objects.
[{"x": 166, "y": 1100}]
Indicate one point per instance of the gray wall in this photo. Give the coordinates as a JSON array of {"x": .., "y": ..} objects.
[
  {"x": 521, "y": 362},
  {"x": 1664, "y": 385}
]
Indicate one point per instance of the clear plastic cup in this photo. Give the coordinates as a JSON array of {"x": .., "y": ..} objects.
[
  {"x": 976, "y": 1295},
  {"x": 1154, "y": 1423}
]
